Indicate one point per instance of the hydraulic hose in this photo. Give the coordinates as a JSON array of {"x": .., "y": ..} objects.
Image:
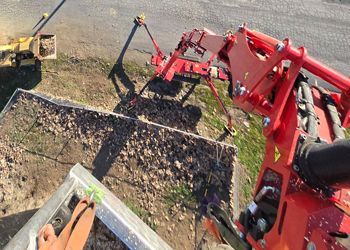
[
  {"x": 309, "y": 108},
  {"x": 326, "y": 164},
  {"x": 333, "y": 113}
]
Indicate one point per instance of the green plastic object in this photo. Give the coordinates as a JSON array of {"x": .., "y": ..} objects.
[{"x": 98, "y": 193}]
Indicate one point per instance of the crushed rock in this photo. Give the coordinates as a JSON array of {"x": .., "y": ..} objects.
[{"x": 151, "y": 159}]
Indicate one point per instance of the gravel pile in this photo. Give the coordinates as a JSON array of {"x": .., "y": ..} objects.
[
  {"x": 163, "y": 173},
  {"x": 161, "y": 156},
  {"x": 10, "y": 157},
  {"x": 47, "y": 46}
]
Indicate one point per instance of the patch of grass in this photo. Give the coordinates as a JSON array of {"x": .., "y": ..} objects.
[
  {"x": 86, "y": 80},
  {"x": 71, "y": 85},
  {"x": 141, "y": 213},
  {"x": 251, "y": 145},
  {"x": 213, "y": 112},
  {"x": 133, "y": 69},
  {"x": 40, "y": 161},
  {"x": 138, "y": 211},
  {"x": 17, "y": 136},
  {"x": 249, "y": 141},
  {"x": 347, "y": 133},
  {"x": 85, "y": 65},
  {"x": 83, "y": 101},
  {"x": 180, "y": 195},
  {"x": 251, "y": 150}
]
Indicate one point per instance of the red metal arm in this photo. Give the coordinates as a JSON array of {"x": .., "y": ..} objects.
[{"x": 240, "y": 53}]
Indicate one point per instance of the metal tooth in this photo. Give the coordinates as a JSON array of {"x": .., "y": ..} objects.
[{"x": 280, "y": 47}]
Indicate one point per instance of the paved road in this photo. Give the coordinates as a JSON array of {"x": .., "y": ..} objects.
[{"x": 95, "y": 27}]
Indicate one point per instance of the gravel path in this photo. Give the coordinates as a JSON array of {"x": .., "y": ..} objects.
[{"x": 99, "y": 27}]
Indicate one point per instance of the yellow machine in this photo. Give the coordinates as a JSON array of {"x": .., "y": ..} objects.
[{"x": 28, "y": 51}]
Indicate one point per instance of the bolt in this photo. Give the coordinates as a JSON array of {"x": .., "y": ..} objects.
[
  {"x": 241, "y": 27},
  {"x": 262, "y": 243},
  {"x": 302, "y": 138},
  {"x": 242, "y": 91},
  {"x": 266, "y": 121},
  {"x": 311, "y": 246},
  {"x": 280, "y": 47},
  {"x": 237, "y": 88},
  {"x": 296, "y": 168},
  {"x": 262, "y": 225}
]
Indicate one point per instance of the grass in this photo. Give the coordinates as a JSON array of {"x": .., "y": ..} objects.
[
  {"x": 251, "y": 149},
  {"x": 141, "y": 213},
  {"x": 135, "y": 70},
  {"x": 249, "y": 141},
  {"x": 212, "y": 112},
  {"x": 251, "y": 145},
  {"x": 17, "y": 136},
  {"x": 180, "y": 195},
  {"x": 132, "y": 69},
  {"x": 87, "y": 81}
]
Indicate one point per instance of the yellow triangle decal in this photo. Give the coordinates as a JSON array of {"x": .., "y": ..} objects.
[{"x": 277, "y": 154}]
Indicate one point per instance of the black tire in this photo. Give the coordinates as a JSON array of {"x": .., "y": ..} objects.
[{"x": 37, "y": 65}]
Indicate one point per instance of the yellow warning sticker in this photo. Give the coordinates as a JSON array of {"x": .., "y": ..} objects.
[{"x": 277, "y": 154}]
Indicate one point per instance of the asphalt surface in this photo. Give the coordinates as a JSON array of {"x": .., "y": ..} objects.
[{"x": 100, "y": 27}]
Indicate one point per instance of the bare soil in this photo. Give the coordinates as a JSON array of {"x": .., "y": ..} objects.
[{"x": 161, "y": 174}]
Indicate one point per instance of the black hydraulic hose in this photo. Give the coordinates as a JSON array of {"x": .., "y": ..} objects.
[
  {"x": 329, "y": 103},
  {"x": 325, "y": 165},
  {"x": 309, "y": 108}
]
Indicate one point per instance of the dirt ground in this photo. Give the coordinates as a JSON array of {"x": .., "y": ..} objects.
[{"x": 162, "y": 175}]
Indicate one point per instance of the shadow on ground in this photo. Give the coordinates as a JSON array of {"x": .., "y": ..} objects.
[
  {"x": 11, "y": 224},
  {"x": 157, "y": 109},
  {"x": 11, "y": 79},
  {"x": 163, "y": 111},
  {"x": 119, "y": 72},
  {"x": 159, "y": 105}
]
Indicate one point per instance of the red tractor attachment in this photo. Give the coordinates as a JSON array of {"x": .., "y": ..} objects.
[
  {"x": 177, "y": 66},
  {"x": 302, "y": 195}
]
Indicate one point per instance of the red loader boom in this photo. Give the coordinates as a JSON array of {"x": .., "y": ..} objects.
[{"x": 302, "y": 196}]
